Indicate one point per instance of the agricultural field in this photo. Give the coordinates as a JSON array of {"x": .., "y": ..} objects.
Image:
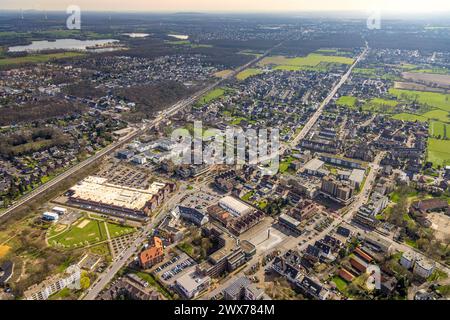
[
  {"x": 38, "y": 58},
  {"x": 432, "y": 99},
  {"x": 247, "y": 73},
  {"x": 347, "y": 101},
  {"x": 438, "y": 152},
  {"x": 312, "y": 60},
  {"x": 442, "y": 80},
  {"x": 439, "y": 130},
  {"x": 410, "y": 117},
  {"x": 438, "y": 115}
]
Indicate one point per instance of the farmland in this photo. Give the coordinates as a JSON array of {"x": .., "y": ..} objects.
[
  {"x": 433, "y": 99},
  {"x": 439, "y": 130},
  {"x": 410, "y": 117},
  {"x": 38, "y": 58},
  {"x": 312, "y": 60},
  {"x": 438, "y": 152}
]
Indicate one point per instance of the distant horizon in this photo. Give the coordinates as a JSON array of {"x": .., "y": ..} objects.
[
  {"x": 356, "y": 14},
  {"x": 235, "y": 6}
]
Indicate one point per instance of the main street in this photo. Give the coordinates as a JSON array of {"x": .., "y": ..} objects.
[
  {"x": 359, "y": 199},
  {"x": 312, "y": 121}
]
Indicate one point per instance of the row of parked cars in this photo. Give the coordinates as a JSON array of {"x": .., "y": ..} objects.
[
  {"x": 167, "y": 264},
  {"x": 177, "y": 269}
]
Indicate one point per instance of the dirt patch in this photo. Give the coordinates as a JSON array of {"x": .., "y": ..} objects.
[
  {"x": 440, "y": 223},
  {"x": 83, "y": 223},
  {"x": 416, "y": 87},
  {"x": 430, "y": 79},
  {"x": 4, "y": 250},
  {"x": 60, "y": 227}
]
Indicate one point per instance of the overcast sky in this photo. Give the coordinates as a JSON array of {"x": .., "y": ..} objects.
[{"x": 415, "y": 6}]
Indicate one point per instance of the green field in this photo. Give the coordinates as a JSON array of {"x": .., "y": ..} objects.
[
  {"x": 439, "y": 130},
  {"x": 212, "y": 95},
  {"x": 76, "y": 236},
  {"x": 247, "y": 73},
  {"x": 438, "y": 115},
  {"x": 347, "y": 101},
  {"x": 410, "y": 117},
  {"x": 365, "y": 71},
  {"x": 116, "y": 230},
  {"x": 341, "y": 285},
  {"x": 380, "y": 105},
  {"x": 432, "y": 70},
  {"x": 311, "y": 60},
  {"x": 38, "y": 58},
  {"x": 433, "y": 99},
  {"x": 438, "y": 152},
  {"x": 188, "y": 43},
  {"x": 86, "y": 232}
]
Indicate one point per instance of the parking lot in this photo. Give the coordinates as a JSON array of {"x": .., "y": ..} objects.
[
  {"x": 125, "y": 175},
  {"x": 200, "y": 200},
  {"x": 172, "y": 269}
]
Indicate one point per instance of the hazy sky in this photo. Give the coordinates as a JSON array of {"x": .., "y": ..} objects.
[{"x": 234, "y": 5}]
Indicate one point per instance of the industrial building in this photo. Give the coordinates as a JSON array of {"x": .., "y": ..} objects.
[
  {"x": 97, "y": 194},
  {"x": 234, "y": 206}
]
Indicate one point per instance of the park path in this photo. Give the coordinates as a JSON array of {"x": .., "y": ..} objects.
[{"x": 108, "y": 236}]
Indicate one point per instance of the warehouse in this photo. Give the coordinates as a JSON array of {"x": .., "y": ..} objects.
[{"x": 235, "y": 207}]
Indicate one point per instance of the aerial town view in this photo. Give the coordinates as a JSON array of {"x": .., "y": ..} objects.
[{"x": 200, "y": 151}]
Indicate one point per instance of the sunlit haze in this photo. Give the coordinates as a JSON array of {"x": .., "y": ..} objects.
[{"x": 407, "y": 6}]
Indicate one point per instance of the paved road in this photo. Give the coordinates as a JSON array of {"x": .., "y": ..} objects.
[{"x": 312, "y": 121}]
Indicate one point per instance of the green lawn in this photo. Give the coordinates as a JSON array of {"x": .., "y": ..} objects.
[
  {"x": 116, "y": 230},
  {"x": 410, "y": 117},
  {"x": 284, "y": 165},
  {"x": 380, "y": 105},
  {"x": 248, "y": 195},
  {"x": 186, "y": 247},
  {"x": 347, "y": 101},
  {"x": 365, "y": 71},
  {"x": 438, "y": 152},
  {"x": 38, "y": 58},
  {"x": 247, "y": 73},
  {"x": 433, "y": 99},
  {"x": 341, "y": 285},
  {"x": 152, "y": 282},
  {"x": 179, "y": 42},
  {"x": 212, "y": 95},
  {"x": 60, "y": 295},
  {"x": 75, "y": 236},
  {"x": 439, "y": 115}
]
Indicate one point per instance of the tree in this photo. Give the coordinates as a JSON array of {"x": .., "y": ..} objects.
[{"x": 85, "y": 282}]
